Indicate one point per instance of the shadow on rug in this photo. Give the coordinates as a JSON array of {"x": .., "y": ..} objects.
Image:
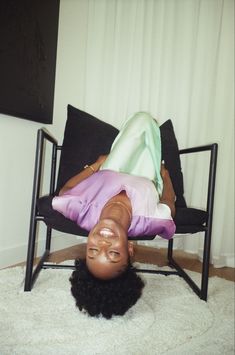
[{"x": 168, "y": 319}]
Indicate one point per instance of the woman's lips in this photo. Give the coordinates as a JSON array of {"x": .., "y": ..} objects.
[{"x": 106, "y": 232}]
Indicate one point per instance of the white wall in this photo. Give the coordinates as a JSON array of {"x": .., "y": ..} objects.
[
  {"x": 17, "y": 147},
  {"x": 17, "y": 154}
]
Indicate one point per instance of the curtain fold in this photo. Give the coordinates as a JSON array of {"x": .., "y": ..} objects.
[{"x": 174, "y": 59}]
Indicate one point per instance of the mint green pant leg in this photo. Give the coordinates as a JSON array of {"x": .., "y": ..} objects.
[{"x": 137, "y": 149}]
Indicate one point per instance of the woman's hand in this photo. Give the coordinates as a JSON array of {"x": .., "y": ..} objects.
[
  {"x": 101, "y": 159},
  {"x": 168, "y": 193},
  {"x": 83, "y": 174},
  {"x": 164, "y": 172}
]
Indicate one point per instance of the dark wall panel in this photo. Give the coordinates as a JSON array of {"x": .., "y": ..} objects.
[{"x": 28, "y": 44}]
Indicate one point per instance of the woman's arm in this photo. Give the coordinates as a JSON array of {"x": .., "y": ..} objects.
[
  {"x": 168, "y": 193},
  {"x": 89, "y": 170}
]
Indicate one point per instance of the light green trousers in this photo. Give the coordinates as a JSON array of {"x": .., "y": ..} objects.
[{"x": 137, "y": 149}]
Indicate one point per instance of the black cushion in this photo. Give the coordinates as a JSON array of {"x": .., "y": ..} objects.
[
  {"x": 190, "y": 220},
  {"x": 56, "y": 220},
  {"x": 170, "y": 154},
  {"x": 187, "y": 220},
  {"x": 85, "y": 138},
  {"x": 189, "y": 216}
]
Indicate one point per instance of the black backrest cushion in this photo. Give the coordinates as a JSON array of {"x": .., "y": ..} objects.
[
  {"x": 170, "y": 154},
  {"x": 86, "y": 137}
]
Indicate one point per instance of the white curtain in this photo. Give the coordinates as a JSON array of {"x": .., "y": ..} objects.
[{"x": 173, "y": 58}]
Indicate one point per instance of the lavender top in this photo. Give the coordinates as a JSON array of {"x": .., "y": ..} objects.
[{"x": 84, "y": 202}]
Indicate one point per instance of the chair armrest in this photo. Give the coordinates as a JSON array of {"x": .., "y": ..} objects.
[
  {"x": 45, "y": 134},
  {"x": 213, "y": 148}
]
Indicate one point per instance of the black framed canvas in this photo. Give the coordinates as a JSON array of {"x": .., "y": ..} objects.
[{"x": 28, "y": 37}]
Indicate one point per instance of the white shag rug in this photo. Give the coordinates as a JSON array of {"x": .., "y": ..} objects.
[{"x": 168, "y": 319}]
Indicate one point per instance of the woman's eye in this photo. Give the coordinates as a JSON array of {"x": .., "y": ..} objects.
[
  {"x": 93, "y": 251},
  {"x": 114, "y": 254}
]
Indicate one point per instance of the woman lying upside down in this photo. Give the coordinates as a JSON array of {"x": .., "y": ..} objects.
[{"x": 127, "y": 193}]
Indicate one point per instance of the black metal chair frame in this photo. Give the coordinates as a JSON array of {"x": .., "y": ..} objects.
[{"x": 31, "y": 274}]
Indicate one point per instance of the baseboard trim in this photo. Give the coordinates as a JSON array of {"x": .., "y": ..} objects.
[{"x": 18, "y": 254}]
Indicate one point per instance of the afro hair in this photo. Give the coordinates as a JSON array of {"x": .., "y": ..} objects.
[{"x": 105, "y": 297}]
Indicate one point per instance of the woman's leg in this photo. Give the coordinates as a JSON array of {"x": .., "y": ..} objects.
[{"x": 137, "y": 149}]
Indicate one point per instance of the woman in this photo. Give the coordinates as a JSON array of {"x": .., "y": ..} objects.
[{"x": 128, "y": 192}]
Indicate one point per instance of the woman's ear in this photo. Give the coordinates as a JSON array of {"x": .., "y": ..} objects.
[{"x": 131, "y": 248}]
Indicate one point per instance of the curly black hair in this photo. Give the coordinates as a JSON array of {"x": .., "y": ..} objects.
[{"x": 105, "y": 297}]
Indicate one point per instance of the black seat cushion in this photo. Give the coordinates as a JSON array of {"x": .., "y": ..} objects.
[
  {"x": 56, "y": 220},
  {"x": 189, "y": 216},
  {"x": 85, "y": 138},
  {"x": 190, "y": 220},
  {"x": 187, "y": 220}
]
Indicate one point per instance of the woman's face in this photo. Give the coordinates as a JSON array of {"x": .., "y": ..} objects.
[{"x": 108, "y": 249}]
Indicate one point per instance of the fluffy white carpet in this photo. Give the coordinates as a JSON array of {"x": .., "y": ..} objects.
[{"x": 168, "y": 319}]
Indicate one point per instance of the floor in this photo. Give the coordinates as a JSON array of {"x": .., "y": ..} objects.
[{"x": 149, "y": 255}]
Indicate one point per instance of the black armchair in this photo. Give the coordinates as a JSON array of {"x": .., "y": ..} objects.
[{"x": 85, "y": 138}]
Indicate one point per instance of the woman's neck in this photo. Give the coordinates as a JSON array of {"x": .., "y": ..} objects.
[{"x": 119, "y": 209}]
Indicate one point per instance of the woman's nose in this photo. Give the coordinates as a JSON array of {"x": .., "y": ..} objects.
[{"x": 104, "y": 241}]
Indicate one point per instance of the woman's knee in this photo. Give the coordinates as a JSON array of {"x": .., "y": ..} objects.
[{"x": 142, "y": 120}]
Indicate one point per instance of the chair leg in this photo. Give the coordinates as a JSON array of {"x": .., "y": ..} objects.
[
  {"x": 170, "y": 250},
  {"x": 206, "y": 264},
  {"x": 30, "y": 254},
  {"x": 31, "y": 275},
  {"x": 48, "y": 239},
  {"x": 202, "y": 293}
]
